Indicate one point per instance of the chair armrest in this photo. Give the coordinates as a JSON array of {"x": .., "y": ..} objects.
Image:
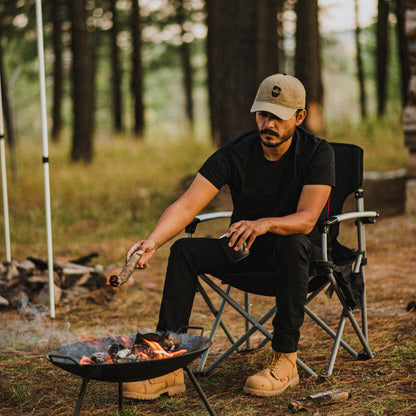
[
  {"x": 368, "y": 216},
  {"x": 191, "y": 227}
]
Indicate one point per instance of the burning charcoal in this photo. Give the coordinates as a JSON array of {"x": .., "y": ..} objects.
[
  {"x": 125, "y": 355},
  {"x": 114, "y": 349},
  {"x": 99, "y": 357},
  {"x": 168, "y": 342},
  {"x": 165, "y": 340},
  {"x": 151, "y": 336}
]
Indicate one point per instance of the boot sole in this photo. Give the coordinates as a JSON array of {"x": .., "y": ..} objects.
[
  {"x": 170, "y": 391},
  {"x": 292, "y": 383}
]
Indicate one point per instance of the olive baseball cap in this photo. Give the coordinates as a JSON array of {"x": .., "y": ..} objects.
[{"x": 281, "y": 95}]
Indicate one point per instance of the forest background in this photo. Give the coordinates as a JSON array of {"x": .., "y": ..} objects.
[
  {"x": 138, "y": 95},
  {"x": 136, "y": 68},
  {"x": 129, "y": 81}
]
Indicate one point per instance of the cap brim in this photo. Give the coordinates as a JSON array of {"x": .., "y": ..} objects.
[{"x": 278, "y": 110}]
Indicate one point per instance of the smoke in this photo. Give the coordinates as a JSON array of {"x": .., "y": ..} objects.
[{"x": 33, "y": 329}]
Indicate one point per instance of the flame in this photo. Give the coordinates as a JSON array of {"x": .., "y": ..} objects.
[
  {"x": 100, "y": 345},
  {"x": 160, "y": 352},
  {"x": 91, "y": 341},
  {"x": 85, "y": 360},
  {"x": 126, "y": 341},
  {"x": 157, "y": 351}
]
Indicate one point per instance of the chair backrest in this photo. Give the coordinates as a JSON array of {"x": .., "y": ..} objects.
[
  {"x": 349, "y": 174},
  {"x": 348, "y": 178}
]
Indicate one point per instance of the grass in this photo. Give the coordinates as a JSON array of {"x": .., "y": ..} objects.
[
  {"x": 120, "y": 195},
  {"x": 381, "y": 139},
  {"x": 382, "y": 386},
  {"x": 107, "y": 204}
]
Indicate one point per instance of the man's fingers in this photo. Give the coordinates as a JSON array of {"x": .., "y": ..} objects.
[
  {"x": 239, "y": 238},
  {"x": 242, "y": 232}
]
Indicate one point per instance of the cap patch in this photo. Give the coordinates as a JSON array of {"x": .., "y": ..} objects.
[{"x": 276, "y": 91}]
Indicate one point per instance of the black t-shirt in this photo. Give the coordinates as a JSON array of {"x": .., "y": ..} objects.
[{"x": 262, "y": 188}]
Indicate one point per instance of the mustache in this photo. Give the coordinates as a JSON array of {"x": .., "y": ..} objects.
[{"x": 269, "y": 132}]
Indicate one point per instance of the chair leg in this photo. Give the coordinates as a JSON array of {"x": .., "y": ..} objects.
[
  {"x": 364, "y": 322},
  {"x": 306, "y": 368},
  {"x": 248, "y": 308},
  {"x": 350, "y": 315},
  {"x": 330, "y": 332},
  {"x": 216, "y": 312},
  {"x": 234, "y": 304},
  {"x": 218, "y": 321},
  {"x": 256, "y": 326},
  {"x": 235, "y": 347},
  {"x": 364, "y": 342},
  {"x": 200, "y": 391},
  {"x": 335, "y": 347}
]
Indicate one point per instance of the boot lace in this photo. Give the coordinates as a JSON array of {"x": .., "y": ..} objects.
[{"x": 275, "y": 361}]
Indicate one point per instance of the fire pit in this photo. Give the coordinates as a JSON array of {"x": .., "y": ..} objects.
[{"x": 72, "y": 357}]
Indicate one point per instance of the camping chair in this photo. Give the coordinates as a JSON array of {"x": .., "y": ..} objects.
[{"x": 341, "y": 271}]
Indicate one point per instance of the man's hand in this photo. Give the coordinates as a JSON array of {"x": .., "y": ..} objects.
[
  {"x": 246, "y": 232},
  {"x": 146, "y": 248},
  {"x": 311, "y": 203}
]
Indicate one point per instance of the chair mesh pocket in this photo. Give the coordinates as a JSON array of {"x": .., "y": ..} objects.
[{"x": 351, "y": 285}]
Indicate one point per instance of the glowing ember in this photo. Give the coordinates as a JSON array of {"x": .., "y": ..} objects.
[
  {"x": 85, "y": 360},
  {"x": 145, "y": 347}
]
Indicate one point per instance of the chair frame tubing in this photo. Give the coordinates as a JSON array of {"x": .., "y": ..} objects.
[{"x": 361, "y": 218}]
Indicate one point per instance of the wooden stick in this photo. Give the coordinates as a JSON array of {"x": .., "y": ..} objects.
[
  {"x": 125, "y": 274},
  {"x": 325, "y": 397}
]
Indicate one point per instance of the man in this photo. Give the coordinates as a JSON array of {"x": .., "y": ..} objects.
[{"x": 280, "y": 179}]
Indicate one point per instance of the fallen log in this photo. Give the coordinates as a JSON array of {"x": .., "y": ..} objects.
[
  {"x": 28, "y": 281},
  {"x": 325, "y": 397},
  {"x": 85, "y": 259}
]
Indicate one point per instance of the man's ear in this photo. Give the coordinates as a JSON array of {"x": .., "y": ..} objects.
[{"x": 300, "y": 116}]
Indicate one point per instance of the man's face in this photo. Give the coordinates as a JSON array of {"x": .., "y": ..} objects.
[{"x": 274, "y": 131}]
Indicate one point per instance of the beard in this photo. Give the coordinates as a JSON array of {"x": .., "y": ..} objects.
[{"x": 269, "y": 142}]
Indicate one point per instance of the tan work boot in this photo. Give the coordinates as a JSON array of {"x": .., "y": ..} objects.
[
  {"x": 280, "y": 374},
  {"x": 171, "y": 384}
]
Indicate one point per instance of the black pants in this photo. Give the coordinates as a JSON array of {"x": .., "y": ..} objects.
[{"x": 287, "y": 272}]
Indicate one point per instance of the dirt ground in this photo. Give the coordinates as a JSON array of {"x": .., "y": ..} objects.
[{"x": 384, "y": 385}]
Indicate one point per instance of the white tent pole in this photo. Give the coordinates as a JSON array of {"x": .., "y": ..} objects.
[
  {"x": 4, "y": 184},
  {"x": 45, "y": 154}
]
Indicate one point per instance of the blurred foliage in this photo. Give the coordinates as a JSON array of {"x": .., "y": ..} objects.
[
  {"x": 163, "y": 92},
  {"x": 118, "y": 196},
  {"x": 104, "y": 206},
  {"x": 121, "y": 194},
  {"x": 162, "y": 37}
]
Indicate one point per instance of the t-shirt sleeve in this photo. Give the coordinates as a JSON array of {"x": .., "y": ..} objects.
[
  {"x": 321, "y": 170},
  {"x": 217, "y": 168}
]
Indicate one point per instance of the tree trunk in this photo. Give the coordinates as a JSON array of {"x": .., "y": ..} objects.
[
  {"x": 409, "y": 113},
  {"x": 57, "y": 69},
  {"x": 185, "y": 52},
  {"x": 239, "y": 77},
  {"x": 267, "y": 38},
  {"x": 382, "y": 55},
  {"x": 308, "y": 63},
  {"x": 242, "y": 50},
  {"x": 280, "y": 38},
  {"x": 402, "y": 47},
  {"x": 8, "y": 119},
  {"x": 117, "y": 107},
  {"x": 137, "y": 71},
  {"x": 360, "y": 70},
  {"x": 214, "y": 53},
  {"x": 83, "y": 84}
]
